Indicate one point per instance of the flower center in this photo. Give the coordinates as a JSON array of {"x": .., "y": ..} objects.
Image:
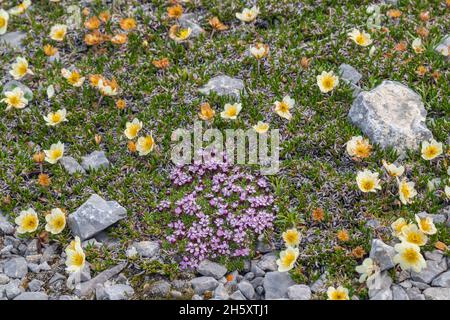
[
  {"x": 59, "y": 34},
  {"x": 431, "y": 151},
  {"x": 2, "y": 22},
  {"x": 289, "y": 258},
  {"x": 368, "y": 184},
  {"x": 328, "y": 83},
  {"x": 56, "y": 153},
  {"x": 411, "y": 256},
  {"x": 14, "y": 101},
  {"x": 283, "y": 107},
  {"x": 30, "y": 222},
  {"x": 232, "y": 111},
  {"x": 56, "y": 117},
  {"x": 360, "y": 39},
  {"x": 405, "y": 191}
]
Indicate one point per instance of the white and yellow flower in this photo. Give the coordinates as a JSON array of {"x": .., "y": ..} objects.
[
  {"x": 54, "y": 118},
  {"x": 261, "y": 127},
  {"x": 406, "y": 191},
  {"x": 179, "y": 34},
  {"x": 412, "y": 234},
  {"x": 56, "y": 221},
  {"x": 231, "y": 111},
  {"x": 339, "y": 293},
  {"x": 397, "y": 226},
  {"x": 392, "y": 169},
  {"x": 287, "y": 259},
  {"x": 4, "y": 18},
  {"x": 282, "y": 108},
  {"x": 27, "y": 221},
  {"x": 58, "y": 32},
  {"x": 15, "y": 99},
  {"x": 55, "y": 153},
  {"x": 426, "y": 224},
  {"x": 368, "y": 181},
  {"x": 409, "y": 257},
  {"x": 145, "y": 145},
  {"x": 291, "y": 237},
  {"x": 248, "y": 15},
  {"x": 367, "y": 269},
  {"x": 327, "y": 81},
  {"x": 361, "y": 38},
  {"x": 259, "y": 50},
  {"x": 132, "y": 128},
  {"x": 21, "y": 8},
  {"x": 358, "y": 147},
  {"x": 447, "y": 191},
  {"x": 20, "y": 68},
  {"x": 431, "y": 149},
  {"x": 108, "y": 88},
  {"x": 76, "y": 259},
  {"x": 73, "y": 77},
  {"x": 418, "y": 46}
]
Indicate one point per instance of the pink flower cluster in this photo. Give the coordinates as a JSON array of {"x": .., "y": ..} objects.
[{"x": 220, "y": 211}]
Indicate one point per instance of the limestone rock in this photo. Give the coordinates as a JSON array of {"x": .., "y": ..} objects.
[
  {"x": 349, "y": 73},
  {"x": 382, "y": 254},
  {"x": 391, "y": 115},
  {"x": 211, "y": 269},
  {"x": 247, "y": 289},
  {"x": 398, "y": 293},
  {"x": 95, "y": 215},
  {"x": 268, "y": 262},
  {"x": 16, "y": 268},
  {"x": 203, "y": 284},
  {"x": 95, "y": 161},
  {"x": 437, "y": 293},
  {"x": 442, "y": 280},
  {"x": 86, "y": 288},
  {"x": 147, "y": 249},
  {"x": 32, "y": 296},
  {"x": 276, "y": 284},
  {"x": 223, "y": 86},
  {"x": 13, "y": 39},
  {"x": 432, "y": 270},
  {"x": 115, "y": 292},
  {"x": 71, "y": 165},
  {"x": 299, "y": 292}
]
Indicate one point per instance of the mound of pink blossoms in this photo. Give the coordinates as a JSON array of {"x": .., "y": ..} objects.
[{"x": 219, "y": 212}]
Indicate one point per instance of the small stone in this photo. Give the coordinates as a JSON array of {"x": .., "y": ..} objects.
[
  {"x": 211, "y": 269},
  {"x": 94, "y": 161},
  {"x": 88, "y": 287},
  {"x": 247, "y": 289},
  {"x": 71, "y": 165},
  {"x": 147, "y": 249},
  {"x": 319, "y": 285},
  {"x": 202, "y": 284},
  {"x": 35, "y": 285},
  {"x": 32, "y": 296},
  {"x": 13, "y": 289},
  {"x": 437, "y": 293},
  {"x": 414, "y": 294},
  {"x": 94, "y": 216},
  {"x": 4, "y": 279},
  {"x": 160, "y": 288},
  {"x": 36, "y": 258},
  {"x": 276, "y": 284},
  {"x": 16, "y": 268},
  {"x": 13, "y": 39},
  {"x": 118, "y": 292},
  {"x": 259, "y": 290},
  {"x": 398, "y": 293},
  {"x": 349, "y": 73},
  {"x": 379, "y": 288},
  {"x": 382, "y": 254},
  {"x": 196, "y": 297},
  {"x": 406, "y": 284},
  {"x": 6, "y": 228},
  {"x": 299, "y": 292},
  {"x": 432, "y": 270},
  {"x": 249, "y": 276},
  {"x": 434, "y": 255},
  {"x": 263, "y": 246},
  {"x": 442, "y": 280},
  {"x": 223, "y": 86},
  {"x": 419, "y": 285},
  {"x": 237, "y": 295},
  {"x": 68, "y": 298},
  {"x": 391, "y": 115},
  {"x": 221, "y": 293},
  {"x": 385, "y": 294},
  {"x": 176, "y": 295},
  {"x": 256, "y": 270},
  {"x": 32, "y": 247},
  {"x": 258, "y": 281},
  {"x": 268, "y": 262}
]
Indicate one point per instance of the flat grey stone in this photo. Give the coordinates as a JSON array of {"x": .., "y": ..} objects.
[
  {"x": 432, "y": 270},
  {"x": 35, "y": 285},
  {"x": 237, "y": 295},
  {"x": 94, "y": 216},
  {"x": 268, "y": 262},
  {"x": 13, "y": 289},
  {"x": 117, "y": 292},
  {"x": 95, "y": 161},
  {"x": 437, "y": 293},
  {"x": 443, "y": 280},
  {"x": 211, "y": 269},
  {"x": 256, "y": 270},
  {"x": 32, "y": 296},
  {"x": 249, "y": 276},
  {"x": 88, "y": 287},
  {"x": 160, "y": 288},
  {"x": 414, "y": 294},
  {"x": 247, "y": 289},
  {"x": 398, "y": 293},
  {"x": 319, "y": 285},
  {"x": 221, "y": 293},
  {"x": 434, "y": 255},
  {"x": 385, "y": 294},
  {"x": 299, "y": 292},
  {"x": 258, "y": 281},
  {"x": 223, "y": 86},
  {"x": 382, "y": 254},
  {"x": 71, "y": 165},
  {"x": 391, "y": 115},
  {"x": 189, "y": 20},
  {"x": 12, "y": 84},
  {"x": 276, "y": 284},
  {"x": 16, "y": 268},
  {"x": 4, "y": 279},
  {"x": 420, "y": 285},
  {"x": 6, "y": 228},
  {"x": 147, "y": 249},
  {"x": 349, "y": 73},
  {"x": 13, "y": 39},
  {"x": 379, "y": 289},
  {"x": 203, "y": 284}
]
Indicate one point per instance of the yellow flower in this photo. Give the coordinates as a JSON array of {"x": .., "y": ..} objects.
[
  {"x": 248, "y": 15},
  {"x": 175, "y": 11},
  {"x": 261, "y": 127},
  {"x": 55, "y": 152},
  {"x": 291, "y": 237},
  {"x": 412, "y": 234},
  {"x": 54, "y": 118},
  {"x": 108, "y": 88},
  {"x": 27, "y": 221},
  {"x": 361, "y": 38},
  {"x": 206, "y": 112},
  {"x": 216, "y": 24},
  {"x": 426, "y": 224},
  {"x": 359, "y": 147},
  {"x": 179, "y": 34},
  {"x": 287, "y": 259},
  {"x": 327, "y": 81},
  {"x": 417, "y": 45},
  {"x": 392, "y": 169},
  {"x": 56, "y": 221},
  {"x": 231, "y": 111},
  {"x": 409, "y": 257},
  {"x": 128, "y": 24},
  {"x": 406, "y": 191},
  {"x": 20, "y": 9},
  {"x": 368, "y": 181},
  {"x": 92, "y": 23},
  {"x": 120, "y": 38},
  {"x": 259, "y": 50},
  {"x": 339, "y": 293},
  {"x": 58, "y": 32},
  {"x": 50, "y": 50},
  {"x": 431, "y": 149},
  {"x": 397, "y": 226},
  {"x": 133, "y": 128},
  {"x": 76, "y": 259},
  {"x": 4, "y": 18},
  {"x": 15, "y": 99},
  {"x": 73, "y": 77},
  {"x": 282, "y": 108},
  {"x": 145, "y": 145}
]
